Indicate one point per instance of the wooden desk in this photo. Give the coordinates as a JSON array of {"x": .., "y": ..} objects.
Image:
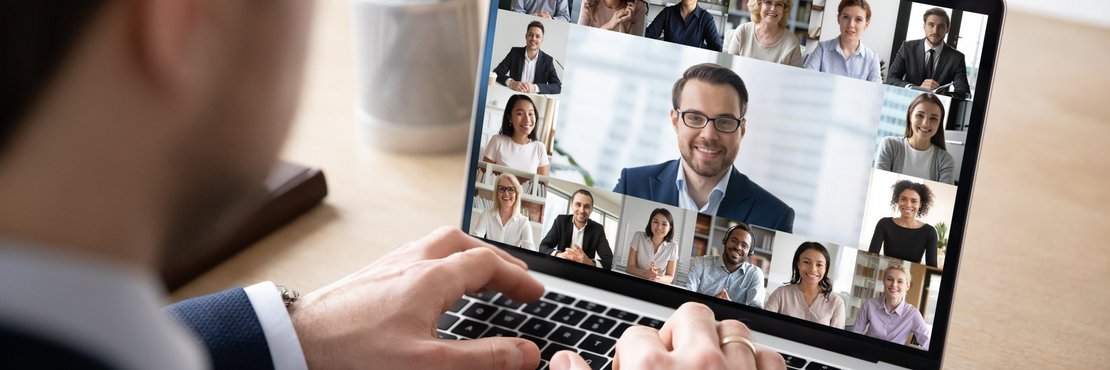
[{"x": 1034, "y": 290}]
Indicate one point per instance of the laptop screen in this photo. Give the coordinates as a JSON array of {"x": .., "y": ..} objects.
[{"x": 805, "y": 161}]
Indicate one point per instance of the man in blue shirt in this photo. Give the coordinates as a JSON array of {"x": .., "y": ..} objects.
[
  {"x": 686, "y": 23},
  {"x": 730, "y": 276}
]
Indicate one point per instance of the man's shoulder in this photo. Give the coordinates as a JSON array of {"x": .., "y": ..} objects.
[
  {"x": 756, "y": 192},
  {"x": 954, "y": 51},
  {"x": 648, "y": 171}
]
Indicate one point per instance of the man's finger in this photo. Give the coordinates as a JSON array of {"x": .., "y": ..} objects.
[
  {"x": 496, "y": 353},
  {"x": 768, "y": 359},
  {"x": 737, "y": 352},
  {"x": 446, "y": 241},
  {"x": 568, "y": 360},
  {"x": 691, "y": 328},
  {"x": 476, "y": 269},
  {"x": 637, "y": 345}
]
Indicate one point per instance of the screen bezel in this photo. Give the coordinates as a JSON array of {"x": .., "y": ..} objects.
[{"x": 828, "y": 338}]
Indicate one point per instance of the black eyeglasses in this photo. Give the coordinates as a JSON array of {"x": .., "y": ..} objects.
[
  {"x": 697, "y": 120},
  {"x": 506, "y": 189}
]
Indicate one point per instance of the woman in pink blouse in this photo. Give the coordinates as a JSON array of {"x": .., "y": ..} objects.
[
  {"x": 809, "y": 294},
  {"x": 624, "y": 16}
]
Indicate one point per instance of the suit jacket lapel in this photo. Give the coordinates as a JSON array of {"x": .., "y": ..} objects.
[
  {"x": 738, "y": 197},
  {"x": 663, "y": 188}
]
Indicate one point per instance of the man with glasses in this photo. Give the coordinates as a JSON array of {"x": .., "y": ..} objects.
[
  {"x": 729, "y": 276},
  {"x": 708, "y": 118}
]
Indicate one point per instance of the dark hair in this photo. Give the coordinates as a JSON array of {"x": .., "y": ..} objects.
[
  {"x": 536, "y": 24},
  {"x": 825, "y": 284},
  {"x": 670, "y": 220},
  {"x": 737, "y": 226},
  {"x": 583, "y": 192},
  {"x": 36, "y": 37},
  {"x": 860, "y": 3},
  {"x": 938, "y": 138},
  {"x": 922, "y": 191},
  {"x": 507, "y": 128},
  {"x": 937, "y": 12},
  {"x": 715, "y": 75}
]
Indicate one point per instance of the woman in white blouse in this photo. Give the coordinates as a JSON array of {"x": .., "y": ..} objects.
[
  {"x": 766, "y": 37},
  {"x": 516, "y": 145},
  {"x": 921, "y": 151},
  {"x": 653, "y": 254},
  {"x": 504, "y": 223}
]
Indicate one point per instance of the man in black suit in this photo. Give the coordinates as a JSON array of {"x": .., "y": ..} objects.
[
  {"x": 528, "y": 69},
  {"x": 578, "y": 238},
  {"x": 930, "y": 63}
]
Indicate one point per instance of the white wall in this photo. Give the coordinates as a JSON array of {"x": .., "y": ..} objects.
[
  {"x": 878, "y": 203},
  {"x": 782, "y": 255},
  {"x": 634, "y": 216},
  {"x": 879, "y": 34}
]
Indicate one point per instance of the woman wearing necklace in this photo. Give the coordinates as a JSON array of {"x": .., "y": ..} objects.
[
  {"x": 921, "y": 151},
  {"x": 766, "y": 37},
  {"x": 653, "y": 254},
  {"x": 504, "y": 222},
  {"x": 809, "y": 294},
  {"x": 846, "y": 55},
  {"x": 888, "y": 316},
  {"x": 624, "y": 16},
  {"x": 905, "y": 237},
  {"x": 516, "y": 145}
]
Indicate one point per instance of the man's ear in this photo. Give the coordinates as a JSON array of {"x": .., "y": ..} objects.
[
  {"x": 675, "y": 120},
  {"x": 166, "y": 36},
  {"x": 743, "y": 126}
]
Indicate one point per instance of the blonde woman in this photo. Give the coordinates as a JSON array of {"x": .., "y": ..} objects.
[
  {"x": 888, "y": 316},
  {"x": 766, "y": 37},
  {"x": 504, "y": 223}
]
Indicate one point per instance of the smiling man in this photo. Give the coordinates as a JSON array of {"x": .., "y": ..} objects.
[
  {"x": 709, "y": 103},
  {"x": 576, "y": 237},
  {"x": 528, "y": 69},
  {"x": 730, "y": 276},
  {"x": 930, "y": 63}
]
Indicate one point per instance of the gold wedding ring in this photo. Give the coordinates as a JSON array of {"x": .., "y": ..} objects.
[{"x": 738, "y": 339}]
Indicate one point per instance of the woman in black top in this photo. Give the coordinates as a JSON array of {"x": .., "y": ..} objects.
[{"x": 906, "y": 237}]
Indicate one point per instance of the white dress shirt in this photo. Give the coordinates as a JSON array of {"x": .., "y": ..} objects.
[{"x": 715, "y": 196}]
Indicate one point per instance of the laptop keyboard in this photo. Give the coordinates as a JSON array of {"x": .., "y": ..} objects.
[{"x": 555, "y": 323}]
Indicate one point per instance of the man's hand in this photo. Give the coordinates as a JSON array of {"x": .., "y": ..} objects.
[
  {"x": 930, "y": 84},
  {"x": 576, "y": 254},
  {"x": 385, "y": 315},
  {"x": 691, "y": 339},
  {"x": 723, "y": 294}
]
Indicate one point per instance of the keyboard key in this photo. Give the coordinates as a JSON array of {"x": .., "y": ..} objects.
[
  {"x": 564, "y": 299},
  {"x": 484, "y": 295},
  {"x": 595, "y": 361},
  {"x": 480, "y": 311},
  {"x": 442, "y": 335},
  {"x": 504, "y": 301},
  {"x": 539, "y": 342},
  {"x": 619, "y": 330},
  {"x": 590, "y": 306},
  {"x": 508, "y": 319},
  {"x": 597, "y": 344},
  {"x": 459, "y": 304},
  {"x": 647, "y": 321},
  {"x": 446, "y": 320},
  {"x": 608, "y": 366},
  {"x": 567, "y": 335},
  {"x": 818, "y": 366},
  {"x": 498, "y": 332},
  {"x": 541, "y": 308},
  {"x": 470, "y": 328},
  {"x": 542, "y": 365},
  {"x": 551, "y": 349},
  {"x": 569, "y": 316},
  {"x": 622, "y": 315},
  {"x": 537, "y": 327},
  {"x": 794, "y": 362},
  {"x": 598, "y": 324}
]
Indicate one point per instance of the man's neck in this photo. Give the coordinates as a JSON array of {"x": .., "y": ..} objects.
[
  {"x": 732, "y": 267},
  {"x": 531, "y": 54},
  {"x": 580, "y": 225},
  {"x": 688, "y": 8},
  {"x": 932, "y": 45},
  {"x": 700, "y": 187}
]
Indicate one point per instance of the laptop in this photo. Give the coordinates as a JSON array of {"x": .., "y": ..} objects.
[{"x": 815, "y": 187}]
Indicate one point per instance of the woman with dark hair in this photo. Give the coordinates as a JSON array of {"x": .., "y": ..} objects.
[
  {"x": 809, "y": 294},
  {"x": 921, "y": 151},
  {"x": 905, "y": 237},
  {"x": 624, "y": 16},
  {"x": 653, "y": 253},
  {"x": 516, "y": 145}
]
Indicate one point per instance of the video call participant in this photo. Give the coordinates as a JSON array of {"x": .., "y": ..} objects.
[
  {"x": 809, "y": 294},
  {"x": 168, "y": 143},
  {"x": 516, "y": 145},
  {"x": 550, "y": 9},
  {"x": 846, "y": 55},
  {"x": 930, "y": 63},
  {"x": 685, "y": 23},
  {"x": 921, "y": 151},
  {"x": 906, "y": 237},
  {"x": 730, "y": 276},
  {"x": 576, "y": 237},
  {"x": 889, "y": 317},
  {"x": 766, "y": 37},
  {"x": 624, "y": 16},
  {"x": 504, "y": 222},
  {"x": 653, "y": 253},
  {"x": 528, "y": 69},
  {"x": 709, "y": 104}
]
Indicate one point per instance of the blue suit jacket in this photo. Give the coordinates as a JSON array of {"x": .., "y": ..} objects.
[
  {"x": 744, "y": 200},
  {"x": 546, "y": 80}
]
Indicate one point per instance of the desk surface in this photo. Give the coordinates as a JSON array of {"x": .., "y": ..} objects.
[{"x": 1031, "y": 293}]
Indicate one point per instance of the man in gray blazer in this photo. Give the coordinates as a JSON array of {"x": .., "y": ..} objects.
[{"x": 929, "y": 62}]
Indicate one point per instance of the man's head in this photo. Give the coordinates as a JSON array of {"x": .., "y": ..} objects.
[
  {"x": 936, "y": 25},
  {"x": 533, "y": 37},
  {"x": 738, "y": 244},
  {"x": 581, "y": 206},
  {"x": 709, "y": 92},
  {"x": 169, "y": 111}
]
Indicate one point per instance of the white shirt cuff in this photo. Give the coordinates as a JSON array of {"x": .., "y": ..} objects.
[{"x": 285, "y": 348}]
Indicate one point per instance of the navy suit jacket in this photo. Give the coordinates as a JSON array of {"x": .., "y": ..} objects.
[
  {"x": 594, "y": 242},
  {"x": 908, "y": 67},
  {"x": 546, "y": 80},
  {"x": 744, "y": 200}
]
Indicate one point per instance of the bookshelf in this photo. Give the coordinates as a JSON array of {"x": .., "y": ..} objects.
[{"x": 532, "y": 200}]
